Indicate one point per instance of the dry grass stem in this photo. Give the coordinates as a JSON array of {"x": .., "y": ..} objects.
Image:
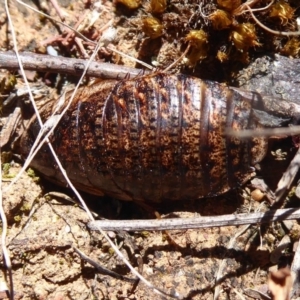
[
  {"x": 245, "y": 7},
  {"x": 223, "y": 263},
  {"x": 197, "y": 222},
  {"x": 57, "y": 21},
  {"x": 288, "y": 177},
  {"x": 112, "y": 48},
  {"x": 276, "y": 32},
  {"x": 264, "y": 132}
]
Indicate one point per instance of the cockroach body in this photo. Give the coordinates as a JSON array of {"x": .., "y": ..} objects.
[{"x": 154, "y": 138}]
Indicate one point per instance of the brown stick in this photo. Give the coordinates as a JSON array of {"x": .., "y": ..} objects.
[{"x": 59, "y": 64}]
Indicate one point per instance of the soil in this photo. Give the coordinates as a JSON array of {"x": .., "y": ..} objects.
[{"x": 46, "y": 228}]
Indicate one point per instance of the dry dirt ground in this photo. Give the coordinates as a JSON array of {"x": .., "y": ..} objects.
[{"x": 196, "y": 264}]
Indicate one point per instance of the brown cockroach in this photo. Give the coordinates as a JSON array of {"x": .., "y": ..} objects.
[{"x": 158, "y": 137}]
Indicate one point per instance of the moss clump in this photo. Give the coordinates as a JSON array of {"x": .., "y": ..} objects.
[
  {"x": 152, "y": 27},
  {"x": 31, "y": 173},
  {"x": 6, "y": 171},
  {"x": 244, "y": 36},
  {"x": 6, "y": 168},
  {"x": 158, "y": 6},
  {"x": 131, "y": 4},
  {"x": 17, "y": 219},
  {"x": 281, "y": 11},
  {"x": 7, "y": 84},
  {"x": 213, "y": 36}
]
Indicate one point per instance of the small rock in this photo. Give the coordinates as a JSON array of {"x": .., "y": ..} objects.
[{"x": 257, "y": 195}]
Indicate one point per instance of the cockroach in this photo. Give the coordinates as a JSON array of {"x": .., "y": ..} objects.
[{"x": 158, "y": 137}]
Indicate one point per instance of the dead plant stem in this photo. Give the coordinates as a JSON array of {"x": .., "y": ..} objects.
[
  {"x": 60, "y": 64},
  {"x": 197, "y": 222}
]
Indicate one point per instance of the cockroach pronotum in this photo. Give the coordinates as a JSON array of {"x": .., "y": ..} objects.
[{"x": 158, "y": 137}]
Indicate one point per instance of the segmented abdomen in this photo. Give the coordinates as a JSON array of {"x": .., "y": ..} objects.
[{"x": 153, "y": 138}]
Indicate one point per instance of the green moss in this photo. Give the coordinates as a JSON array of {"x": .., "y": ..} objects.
[
  {"x": 31, "y": 173},
  {"x": 25, "y": 208},
  {"x": 5, "y": 168},
  {"x": 111, "y": 251},
  {"x": 145, "y": 234},
  {"x": 294, "y": 234},
  {"x": 7, "y": 84},
  {"x": 17, "y": 218}
]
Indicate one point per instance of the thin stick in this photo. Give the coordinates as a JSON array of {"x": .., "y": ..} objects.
[
  {"x": 57, "y": 21},
  {"x": 101, "y": 269},
  {"x": 105, "y": 271},
  {"x": 3, "y": 240},
  {"x": 223, "y": 263},
  {"x": 288, "y": 177},
  {"x": 112, "y": 48},
  {"x": 282, "y": 33},
  {"x": 200, "y": 222},
  {"x": 236, "y": 291},
  {"x": 58, "y": 10},
  {"x": 263, "y": 132},
  {"x": 241, "y": 9},
  {"x": 295, "y": 269},
  {"x": 179, "y": 59},
  {"x": 59, "y": 64}
]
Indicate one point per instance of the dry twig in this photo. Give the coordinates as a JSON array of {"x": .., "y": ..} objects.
[
  {"x": 276, "y": 32},
  {"x": 59, "y": 64},
  {"x": 288, "y": 177},
  {"x": 295, "y": 270},
  {"x": 223, "y": 263},
  {"x": 199, "y": 222}
]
